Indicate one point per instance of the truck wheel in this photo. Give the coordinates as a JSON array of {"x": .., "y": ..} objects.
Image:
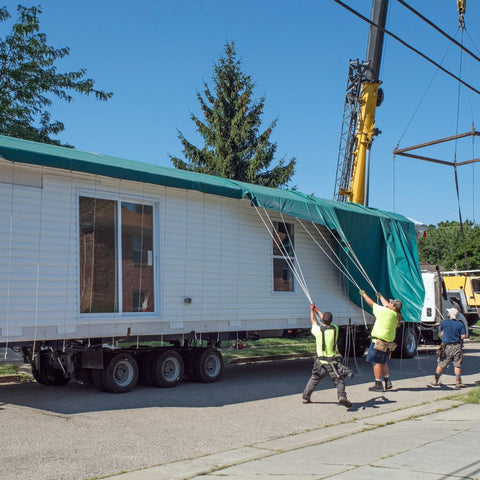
[
  {"x": 208, "y": 365},
  {"x": 472, "y": 318},
  {"x": 166, "y": 369},
  {"x": 50, "y": 376},
  {"x": 189, "y": 361},
  {"x": 120, "y": 374},
  {"x": 352, "y": 343},
  {"x": 97, "y": 380},
  {"x": 407, "y": 342}
]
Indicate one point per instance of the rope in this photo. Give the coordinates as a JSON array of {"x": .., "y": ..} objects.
[
  {"x": 37, "y": 280},
  {"x": 291, "y": 264},
  {"x": 343, "y": 270},
  {"x": 10, "y": 248}
]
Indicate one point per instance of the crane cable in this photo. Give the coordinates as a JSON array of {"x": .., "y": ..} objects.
[{"x": 462, "y": 29}]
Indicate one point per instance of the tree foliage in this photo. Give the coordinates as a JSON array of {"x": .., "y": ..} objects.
[
  {"x": 445, "y": 245},
  {"x": 234, "y": 147},
  {"x": 29, "y": 79}
]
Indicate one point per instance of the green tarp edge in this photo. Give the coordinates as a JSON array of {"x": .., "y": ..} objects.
[{"x": 384, "y": 242}]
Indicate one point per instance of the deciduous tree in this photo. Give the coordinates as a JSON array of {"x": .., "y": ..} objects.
[
  {"x": 445, "y": 245},
  {"x": 29, "y": 79}
]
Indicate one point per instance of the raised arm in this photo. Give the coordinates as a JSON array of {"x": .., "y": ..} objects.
[
  {"x": 314, "y": 309},
  {"x": 369, "y": 301}
]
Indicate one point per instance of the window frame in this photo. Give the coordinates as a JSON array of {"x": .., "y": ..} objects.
[
  {"x": 119, "y": 198},
  {"x": 281, "y": 257}
]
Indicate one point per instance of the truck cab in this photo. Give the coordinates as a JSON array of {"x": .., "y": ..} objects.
[{"x": 463, "y": 289}]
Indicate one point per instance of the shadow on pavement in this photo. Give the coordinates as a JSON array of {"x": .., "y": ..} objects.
[{"x": 240, "y": 383}]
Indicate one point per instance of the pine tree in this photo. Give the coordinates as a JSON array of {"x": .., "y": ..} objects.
[{"x": 234, "y": 146}]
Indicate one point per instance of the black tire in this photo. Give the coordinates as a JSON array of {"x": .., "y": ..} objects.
[
  {"x": 97, "y": 380},
  {"x": 472, "y": 318},
  {"x": 352, "y": 345},
  {"x": 166, "y": 369},
  {"x": 189, "y": 361},
  {"x": 407, "y": 342},
  {"x": 120, "y": 374},
  {"x": 208, "y": 365},
  {"x": 144, "y": 376},
  {"x": 47, "y": 375}
]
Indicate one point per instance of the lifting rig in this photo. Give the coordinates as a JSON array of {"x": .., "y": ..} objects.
[{"x": 363, "y": 96}]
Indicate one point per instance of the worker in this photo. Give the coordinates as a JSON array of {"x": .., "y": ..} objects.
[
  {"x": 453, "y": 333},
  {"x": 327, "y": 361},
  {"x": 387, "y": 319}
]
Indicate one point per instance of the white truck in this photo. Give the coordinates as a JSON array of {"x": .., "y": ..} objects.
[{"x": 437, "y": 300}]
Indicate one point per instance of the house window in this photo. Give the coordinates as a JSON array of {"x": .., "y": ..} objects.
[
  {"x": 116, "y": 256},
  {"x": 283, "y": 254}
]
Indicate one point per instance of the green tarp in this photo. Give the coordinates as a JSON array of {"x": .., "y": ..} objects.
[{"x": 383, "y": 242}]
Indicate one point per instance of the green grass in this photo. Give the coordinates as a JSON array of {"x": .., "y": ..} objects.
[
  {"x": 473, "y": 396},
  {"x": 8, "y": 369},
  {"x": 266, "y": 347}
]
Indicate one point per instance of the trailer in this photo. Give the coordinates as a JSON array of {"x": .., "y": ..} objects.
[{"x": 113, "y": 270}]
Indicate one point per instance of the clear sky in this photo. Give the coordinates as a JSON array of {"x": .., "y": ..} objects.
[{"x": 155, "y": 55}]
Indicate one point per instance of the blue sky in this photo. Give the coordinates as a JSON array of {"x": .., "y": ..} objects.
[{"x": 155, "y": 55}]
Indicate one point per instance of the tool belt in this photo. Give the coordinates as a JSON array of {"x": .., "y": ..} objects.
[
  {"x": 326, "y": 359},
  {"x": 384, "y": 346}
]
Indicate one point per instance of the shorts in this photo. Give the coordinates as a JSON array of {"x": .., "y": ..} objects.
[
  {"x": 376, "y": 356},
  {"x": 453, "y": 353}
]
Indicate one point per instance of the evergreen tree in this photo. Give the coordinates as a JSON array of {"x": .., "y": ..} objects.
[
  {"x": 444, "y": 245},
  {"x": 29, "y": 80},
  {"x": 234, "y": 146}
]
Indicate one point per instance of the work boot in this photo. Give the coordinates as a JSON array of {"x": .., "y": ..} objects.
[
  {"x": 459, "y": 384},
  {"x": 377, "y": 387},
  {"x": 435, "y": 382},
  {"x": 345, "y": 401},
  {"x": 388, "y": 384}
]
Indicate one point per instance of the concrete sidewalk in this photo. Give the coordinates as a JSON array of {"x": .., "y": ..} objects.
[{"x": 436, "y": 440}]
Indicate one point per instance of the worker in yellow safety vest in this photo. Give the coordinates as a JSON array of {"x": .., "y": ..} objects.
[{"x": 328, "y": 361}]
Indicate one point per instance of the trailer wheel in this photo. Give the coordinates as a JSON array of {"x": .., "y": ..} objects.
[
  {"x": 352, "y": 342},
  {"x": 208, "y": 365},
  {"x": 120, "y": 375},
  {"x": 97, "y": 380},
  {"x": 189, "y": 361},
  {"x": 407, "y": 342},
  {"x": 166, "y": 369},
  {"x": 50, "y": 376}
]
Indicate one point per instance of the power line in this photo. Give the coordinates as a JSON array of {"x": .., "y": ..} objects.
[
  {"x": 426, "y": 20},
  {"x": 359, "y": 15}
]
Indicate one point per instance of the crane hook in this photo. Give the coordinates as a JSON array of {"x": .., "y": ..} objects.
[{"x": 461, "y": 7}]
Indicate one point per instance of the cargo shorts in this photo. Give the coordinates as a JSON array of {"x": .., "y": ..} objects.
[{"x": 453, "y": 353}]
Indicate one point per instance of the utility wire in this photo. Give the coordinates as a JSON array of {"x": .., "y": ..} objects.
[
  {"x": 359, "y": 15},
  {"x": 426, "y": 20}
]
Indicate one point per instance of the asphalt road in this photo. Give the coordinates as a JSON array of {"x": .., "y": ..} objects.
[{"x": 77, "y": 432}]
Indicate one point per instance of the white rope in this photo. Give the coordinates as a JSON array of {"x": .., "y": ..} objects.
[
  {"x": 10, "y": 248},
  {"x": 299, "y": 264},
  {"x": 285, "y": 255},
  {"x": 37, "y": 282},
  {"x": 283, "y": 251},
  {"x": 340, "y": 266},
  {"x": 349, "y": 252}
]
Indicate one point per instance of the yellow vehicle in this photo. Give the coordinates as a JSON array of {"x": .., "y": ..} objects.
[{"x": 463, "y": 289}]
